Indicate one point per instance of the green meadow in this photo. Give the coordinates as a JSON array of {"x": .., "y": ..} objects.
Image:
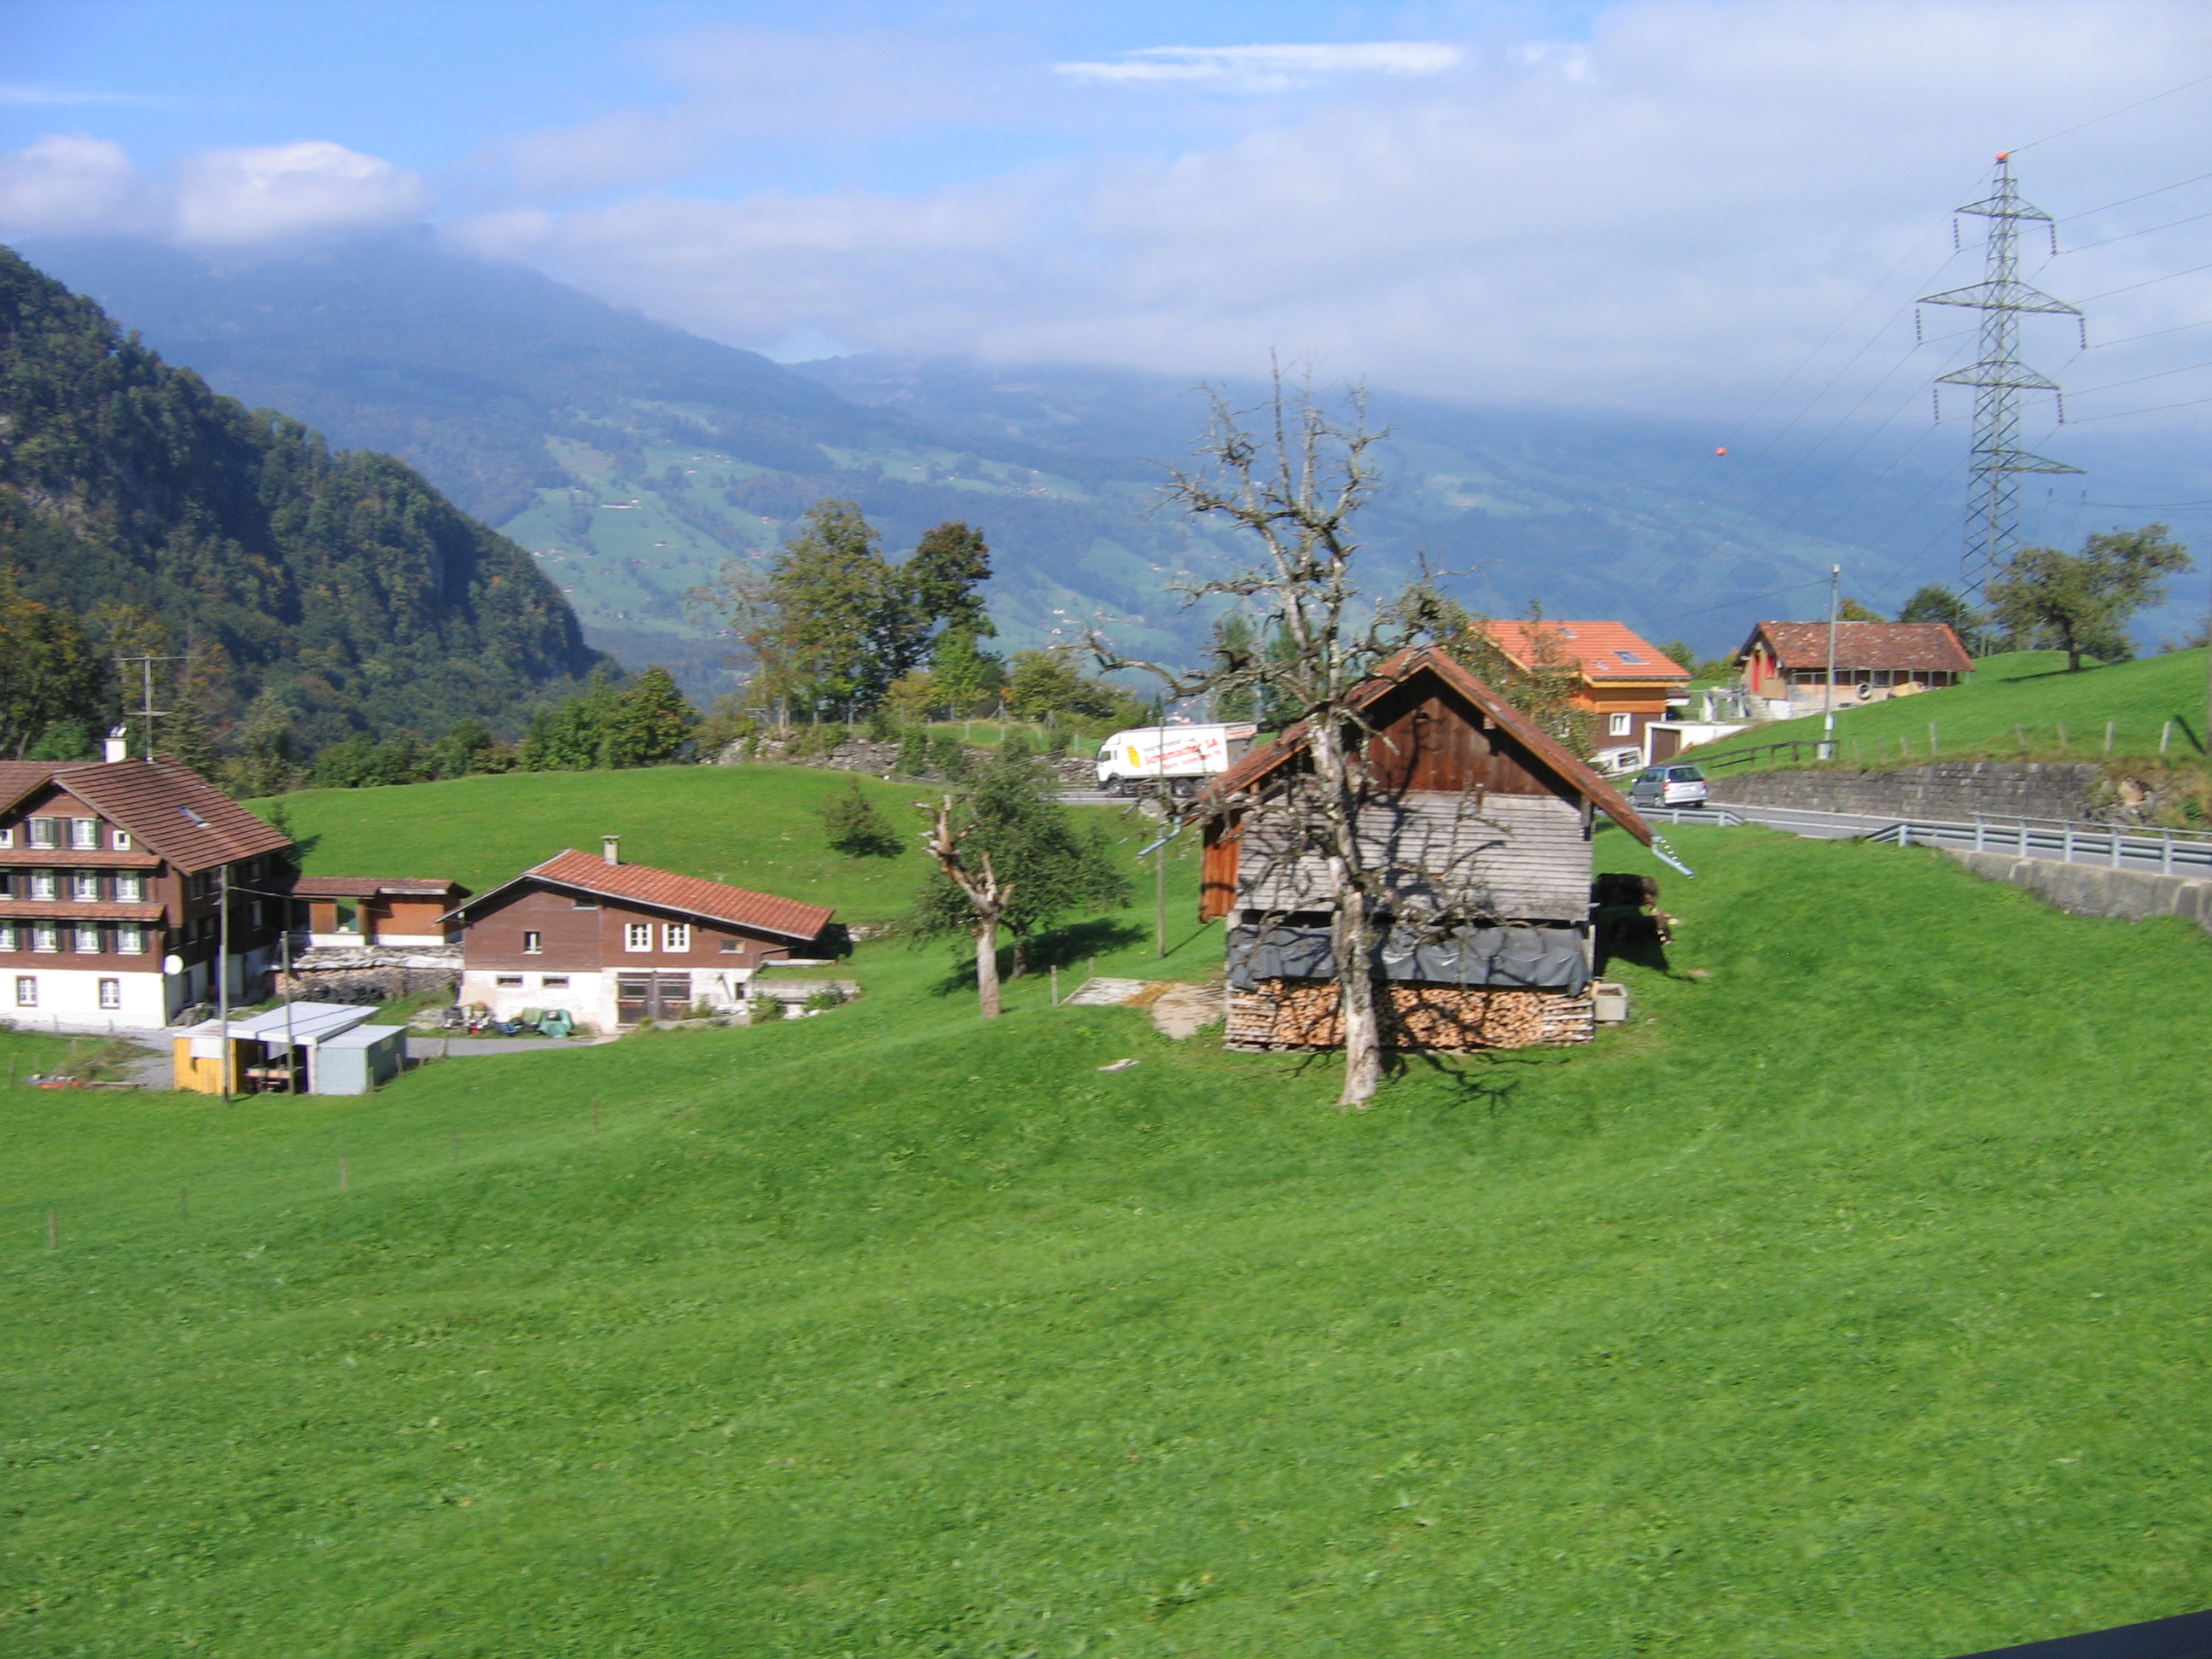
[
  {"x": 1846, "y": 1301},
  {"x": 2022, "y": 704}
]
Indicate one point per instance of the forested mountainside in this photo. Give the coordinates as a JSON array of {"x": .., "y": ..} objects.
[
  {"x": 633, "y": 458},
  {"x": 169, "y": 517}
]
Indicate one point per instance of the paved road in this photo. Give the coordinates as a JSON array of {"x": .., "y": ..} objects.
[{"x": 1804, "y": 821}]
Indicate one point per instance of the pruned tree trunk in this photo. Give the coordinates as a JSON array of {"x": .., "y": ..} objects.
[
  {"x": 987, "y": 967},
  {"x": 985, "y": 893}
]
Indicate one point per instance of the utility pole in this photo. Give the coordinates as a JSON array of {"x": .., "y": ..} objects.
[
  {"x": 1828, "y": 692},
  {"x": 1999, "y": 377},
  {"x": 222, "y": 972},
  {"x": 146, "y": 710}
]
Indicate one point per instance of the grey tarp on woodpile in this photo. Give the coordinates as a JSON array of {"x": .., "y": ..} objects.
[{"x": 1525, "y": 958}]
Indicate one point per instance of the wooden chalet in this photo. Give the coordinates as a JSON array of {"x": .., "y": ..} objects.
[
  {"x": 113, "y": 879},
  {"x": 1484, "y": 826},
  {"x": 612, "y": 944},
  {"x": 1787, "y": 662}
]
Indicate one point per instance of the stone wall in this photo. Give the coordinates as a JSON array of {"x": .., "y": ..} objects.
[
  {"x": 1947, "y": 789},
  {"x": 2092, "y": 889}
]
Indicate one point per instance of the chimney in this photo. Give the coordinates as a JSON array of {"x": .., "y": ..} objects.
[
  {"x": 610, "y": 848},
  {"x": 118, "y": 746}
]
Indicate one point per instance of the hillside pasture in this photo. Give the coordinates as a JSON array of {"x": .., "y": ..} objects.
[
  {"x": 1845, "y": 1302},
  {"x": 2013, "y": 708}
]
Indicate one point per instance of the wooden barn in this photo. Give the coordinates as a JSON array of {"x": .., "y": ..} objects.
[{"x": 1483, "y": 827}]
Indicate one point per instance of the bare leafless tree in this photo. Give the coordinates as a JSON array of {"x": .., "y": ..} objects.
[{"x": 1292, "y": 473}]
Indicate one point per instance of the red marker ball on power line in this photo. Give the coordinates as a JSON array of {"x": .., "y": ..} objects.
[{"x": 1723, "y": 450}]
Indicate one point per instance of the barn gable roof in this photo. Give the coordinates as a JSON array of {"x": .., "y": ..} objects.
[
  {"x": 1403, "y": 669},
  {"x": 664, "y": 890},
  {"x": 1912, "y": 647}
]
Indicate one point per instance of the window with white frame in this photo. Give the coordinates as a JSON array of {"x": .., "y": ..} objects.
[
  {"x": 84, "y": 835},
  {"x": 84, "y": 886},
  {"x": 130, "y": 887},
  {"x": 45, "y": 885},
  {"x": 638, "y": 936},
  {"x": 118, "y": 839},
  {"x": 509, "y": 981},
  {"x": 88, "y": 939},
  {"x": 111, "y": 994},
  {"x": 46, "y": 938},
  {"x": 7, "y": 835},
  {"x": 7, "y": 936},
  {"x": 554, "y": 982},
  {"x": 533, "y": 944},
  {"x": 27, "y": 990},
  {"x": 131, "y": 938},
  {"x": 1620, "y": 726},
  {"x": 675, "y": 936},
  {"x": 46, "y": 832},
  {"x": 731, "y": 947}
]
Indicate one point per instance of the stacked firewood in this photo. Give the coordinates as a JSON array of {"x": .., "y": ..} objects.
[{"x": 1308, "y": 1014}]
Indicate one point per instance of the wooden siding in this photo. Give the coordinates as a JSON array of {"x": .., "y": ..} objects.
[
  {"x": 1428, "y": 737},
  {"x": 1512, "y": 857},
  {"x": 584, "y": 941},
  {"x": 1217, "y": 878}
]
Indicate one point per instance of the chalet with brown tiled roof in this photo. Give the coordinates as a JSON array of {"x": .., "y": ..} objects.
[
  {"x": 1788, "y": 661},
  {"x": 612, "y": 944},
  {"x": 1484, "y": 825},
  {"x": 115, "y": 873}
]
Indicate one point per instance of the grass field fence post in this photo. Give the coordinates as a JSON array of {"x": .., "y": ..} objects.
[
  {"x": 2019, "y": 737},
  {"x": 1055, "y": 985},
  {"x": 2166, "y": 737},
  {"x": 2062, "y": 736},
  {"x": 595, "y": 1117},
  {"x": 53, "y": 1235},
  {"x": 2109, "y": 726},
  {"x": 1934, "y": 748}
]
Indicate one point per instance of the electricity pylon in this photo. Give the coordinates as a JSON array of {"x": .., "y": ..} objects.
[{"x": 1999, "y": 378}]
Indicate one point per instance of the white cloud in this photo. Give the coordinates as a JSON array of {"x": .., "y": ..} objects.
[
  {"x": 279, "y": 191},
  {"x": 1659, "y": 217},
  {"x": 67, "y": 183},
  {"x": 1267, "y": 69}
]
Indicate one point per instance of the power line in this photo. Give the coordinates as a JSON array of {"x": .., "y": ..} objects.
[
  {"x": 2085, "y": 246},
  {"x": 2066, "y": 132},
  {"x": 2111, "y": 386},
  {"x": 2147, "y": 283},
  {"x": 2125, "y": 200},
  {"x": 2129, "y": 339},
  {"x": 2153, "y": 409}
]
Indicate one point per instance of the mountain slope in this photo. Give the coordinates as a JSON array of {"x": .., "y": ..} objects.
[
  {"x": 341, "y": 579},
  {"x": 633, "y": 457}
]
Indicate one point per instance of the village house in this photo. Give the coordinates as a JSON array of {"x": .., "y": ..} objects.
[
  {"x": 373, "y": 939},
  {"x": 1623, "y": 680},
  {"x": 611, "y": 943},
  {"x": 115, "y": 874},
  {"x": 1786, "y": 663},
  {"x": 1485, "y": 826}
]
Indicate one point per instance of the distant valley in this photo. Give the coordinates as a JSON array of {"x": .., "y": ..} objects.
[{"x": 630, "y": 458}]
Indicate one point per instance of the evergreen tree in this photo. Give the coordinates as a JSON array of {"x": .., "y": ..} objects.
[
  {"x": 961, "y": 675},
  {"x": 1936, "y": 604},
  {"x": 1233, "y": 645},
  {"x": 854, "y": 826}
]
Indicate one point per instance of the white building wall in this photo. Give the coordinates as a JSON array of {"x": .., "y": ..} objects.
[
  {"x": 67, "y": 999},
  {"x": 590, "y": 998}
]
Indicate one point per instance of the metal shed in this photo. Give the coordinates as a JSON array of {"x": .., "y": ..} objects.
[
  {"x": 274, "y": 1052},
  {"x": 353, "y": 1062}
]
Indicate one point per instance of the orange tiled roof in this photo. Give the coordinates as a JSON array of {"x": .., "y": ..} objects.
[
  {"x": 168, "y": 808},
  {"x": 1604, "y": 651},
  {"x": 437, "y": 887},
  {"x": 1913, "y": 647},
  {"x": 664, "y": 889}
]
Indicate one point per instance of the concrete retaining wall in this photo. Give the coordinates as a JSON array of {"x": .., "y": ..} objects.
[
  {"x": 2091, "y": 890},
  {"x": 1954, "y": 790}
]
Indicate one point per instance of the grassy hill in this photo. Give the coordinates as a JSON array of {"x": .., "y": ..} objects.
[
  {"x": 2014, "y": 708},
  {"x": 1814, "y": 1313}
]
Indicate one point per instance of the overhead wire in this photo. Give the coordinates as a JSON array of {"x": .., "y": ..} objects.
[{"x": 2125, "y": 109}]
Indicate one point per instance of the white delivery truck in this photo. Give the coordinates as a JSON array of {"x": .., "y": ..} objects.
[{"x": 1180, "y": 757}]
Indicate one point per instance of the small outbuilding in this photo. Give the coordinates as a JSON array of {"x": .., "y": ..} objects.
[
  {"x": 1483, "y": 827},
  {"x": 287, "y": 1050},
  {"x": 1787, "y": 662},
  {"x": 355, "y": 1063}
]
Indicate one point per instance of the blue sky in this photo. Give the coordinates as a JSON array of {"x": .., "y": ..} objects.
[{"x": 1648, "y": 205}]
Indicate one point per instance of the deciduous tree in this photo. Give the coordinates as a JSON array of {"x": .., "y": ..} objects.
[{"x": 2080, "y": 602}]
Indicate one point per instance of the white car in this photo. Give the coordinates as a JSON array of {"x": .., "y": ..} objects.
[{"x": 1669, "y": 785}]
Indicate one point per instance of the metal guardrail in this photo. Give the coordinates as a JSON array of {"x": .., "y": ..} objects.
[
  {"x": 2115, "y": 847},
  {"x": 1720, "y": 815}
]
